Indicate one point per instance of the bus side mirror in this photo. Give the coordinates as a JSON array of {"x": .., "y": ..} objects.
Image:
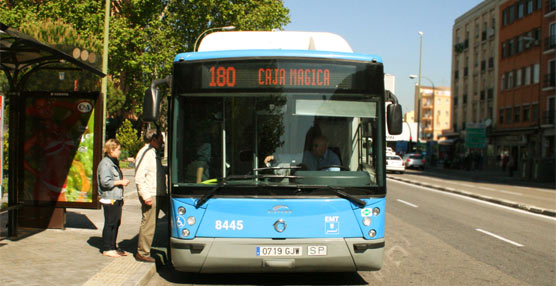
[
  {"x": 394, "y": 119},
  {"x": 151, "y": 104}
]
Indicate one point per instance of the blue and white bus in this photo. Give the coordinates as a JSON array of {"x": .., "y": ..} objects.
[{"x": 249, "y": 191}]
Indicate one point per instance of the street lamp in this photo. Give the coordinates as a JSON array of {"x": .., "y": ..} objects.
[
  {"x": 419, "y": 87},
  {"x": 227, "y": 28},
  {"x": 412, "y": 76}
]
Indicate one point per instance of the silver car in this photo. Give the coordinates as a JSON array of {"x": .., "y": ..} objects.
[{"x": 413, "y": 160}]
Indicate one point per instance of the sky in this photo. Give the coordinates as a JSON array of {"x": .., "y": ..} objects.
[{"x": 390, "y": 30}]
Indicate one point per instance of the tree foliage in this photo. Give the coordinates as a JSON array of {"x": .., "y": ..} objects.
[
  {"x": 145, "y": 35},
  {"x": 129, "y": 139}
]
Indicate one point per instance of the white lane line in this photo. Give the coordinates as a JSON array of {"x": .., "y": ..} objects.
[
  {"x": 407, "y": 203},
  {"x": 499, "y": 237}
]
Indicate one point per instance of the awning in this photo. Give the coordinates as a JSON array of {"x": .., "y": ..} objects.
[{"x": 19, "y": 51}]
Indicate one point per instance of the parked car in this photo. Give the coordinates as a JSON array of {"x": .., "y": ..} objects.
[
  {"x": 389, "y": 151},
  {"x": 413, "y": 160},
  {"x": 394, "y": 163}
]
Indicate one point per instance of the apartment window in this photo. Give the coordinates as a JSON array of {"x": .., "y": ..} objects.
[
  {"x": 511, "y": 49},
  {"x": 503, "y": 82},
  {"x": 518, "y": 78},
  {"x": 520, "y": 10},
  {"x": 529, "y": 6},
  {"x": 517, "y": 114},
  {"x": 534, "y": 112},
  {"x": 505, "y": 17},
  {"x": 539, "y": 4},
  {"x": 501, "y": 116},
  {"x": 508, "y": 115},
  {"x": 526, "y": 114},
  {"x": 511, "y": 13},
  {"x": 504, "y": 50},
  {"x": 511, "y": 79},
  {"x": 520, "y": 43},
  {"x": 527, "y": 76},
  {"x": 535, "y": 73}
]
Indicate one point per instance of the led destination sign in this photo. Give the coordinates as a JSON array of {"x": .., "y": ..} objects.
[{"x": 277, "y": 75}]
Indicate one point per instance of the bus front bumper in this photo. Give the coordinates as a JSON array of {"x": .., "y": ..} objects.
[{"x": 227, "y": 255}]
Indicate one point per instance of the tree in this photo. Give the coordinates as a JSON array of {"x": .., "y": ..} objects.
[
  {"x": 129, "y": 140},
  {"x": 145, "y": 35}
]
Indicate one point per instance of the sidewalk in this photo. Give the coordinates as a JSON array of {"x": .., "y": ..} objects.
[
  {"x": 472, "y": 184},
  {"x": 73, "y": 256}
]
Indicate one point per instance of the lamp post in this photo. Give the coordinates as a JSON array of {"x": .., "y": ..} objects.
[
  {"x": 419, "y": 88},
  {"x": 226, "y": 28},
  {"x": 104, "y": 84},
  {"x": 412, "y": 76}
]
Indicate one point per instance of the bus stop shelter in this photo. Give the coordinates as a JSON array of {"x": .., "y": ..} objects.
[{"x": 55, "y": 129}]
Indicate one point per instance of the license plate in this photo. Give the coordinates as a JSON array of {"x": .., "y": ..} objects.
[
  {"x": 279, "y": 251},
  {"x": 317, "y": 250}
]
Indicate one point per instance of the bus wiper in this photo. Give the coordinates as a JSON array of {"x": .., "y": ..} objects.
[
  {"x": 340, "y": 193},
  {"x": 222, "y": 182},
  {"x": 211, "y": 193}
]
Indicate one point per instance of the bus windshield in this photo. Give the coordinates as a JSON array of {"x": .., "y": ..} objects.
[{"x": 275, "y": 138}]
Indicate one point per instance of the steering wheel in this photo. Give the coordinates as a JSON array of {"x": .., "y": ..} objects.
[{"x": 333, "y": 166}]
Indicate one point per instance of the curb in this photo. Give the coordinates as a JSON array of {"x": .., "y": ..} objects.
[{"x": 524, "y": 207}]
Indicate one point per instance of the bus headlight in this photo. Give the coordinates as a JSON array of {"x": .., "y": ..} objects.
[
  {"x": 185, "y": 232},
  {"x": 372, "y": 233},
  {"x": 191, "y": 220},
  {"x": 376, "y": 211},
  {"x": 367, "y": 221},
  {"x": 181, "y": 210}
]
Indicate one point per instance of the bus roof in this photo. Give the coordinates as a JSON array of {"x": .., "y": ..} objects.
[
  {"x": 261, "y": 54},
  {"x": 274, "y": 44},
  {"x": 274, "y": 40}
]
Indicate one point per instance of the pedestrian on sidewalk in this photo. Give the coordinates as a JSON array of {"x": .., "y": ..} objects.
[
  {"x": 511, "y": 165},
  {"x": 111, "y": 183},
  {"x": 149, "y": 177}
]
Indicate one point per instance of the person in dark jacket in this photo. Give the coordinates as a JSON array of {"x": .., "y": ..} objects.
[{"x": 111, "y": 183}]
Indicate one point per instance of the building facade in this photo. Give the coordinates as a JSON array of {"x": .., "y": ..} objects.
[
  {"x": 503, "y": 68},
  {"x": 525, "y": 129},
  {"x": 474, "y": 66},
  {"x": 435, "y": 111}
]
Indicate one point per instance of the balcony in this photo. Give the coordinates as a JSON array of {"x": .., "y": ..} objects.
[
  {"x": 549, "y": 80},
  {"x": 550, "y": 43},
  {"x": 548, "y": 117}
]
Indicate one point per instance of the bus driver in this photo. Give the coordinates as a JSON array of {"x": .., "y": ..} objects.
[{"x": 320, "y": 156}]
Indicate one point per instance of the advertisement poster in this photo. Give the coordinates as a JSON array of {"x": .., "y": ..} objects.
[
  {"x": 58, "y": 150},
  {"x": 3, "y": 191}
]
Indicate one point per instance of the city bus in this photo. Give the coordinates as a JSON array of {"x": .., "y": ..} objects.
[{"x": 249, "y": 190}]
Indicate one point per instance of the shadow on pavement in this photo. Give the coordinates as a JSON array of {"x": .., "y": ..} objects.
[
  {"x": 128, "y": 245},
  {"x": 77, "y": 220},
  {"x": 172, "y": 276}
]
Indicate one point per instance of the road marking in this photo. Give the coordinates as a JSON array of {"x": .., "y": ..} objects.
[
  {"x": 445, "y": 193},
  {"x": 407, "y": 203},
  {"x": 499, "y": 237}
]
